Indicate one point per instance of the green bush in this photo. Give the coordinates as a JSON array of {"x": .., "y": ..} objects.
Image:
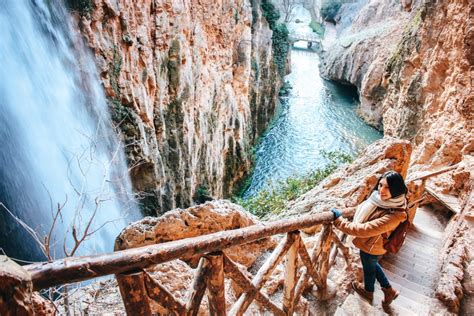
[
  {"x": 280, "y": 47},
  {"x": 275, "y": 199},
  {"x": 84, "y": 7},
  {"x": 270, "y": 13},
  {"x": 329, "y": 9},
  {"x": 280, "y": 42},
  {"x": 285, "y": 89},
  {"x": 202, "y": 194}
]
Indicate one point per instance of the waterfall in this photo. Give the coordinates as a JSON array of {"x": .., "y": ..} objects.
[{"x": 58, "y": 145}]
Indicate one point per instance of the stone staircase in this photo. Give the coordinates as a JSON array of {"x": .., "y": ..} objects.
[{"x": 413, "y": 272}]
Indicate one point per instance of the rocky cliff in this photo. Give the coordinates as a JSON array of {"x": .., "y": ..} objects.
[
  {"x": 367, "y": 33},
  {"x": 430, "y": 93},
  {"x": 412, "y": 64},
  {"x": 192, "y": 84}
]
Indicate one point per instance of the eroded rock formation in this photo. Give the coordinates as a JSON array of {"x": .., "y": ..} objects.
[
  {"x": 367, "y": 34},
  {"x": 195, "y": 221},
  {"x": 192, "y": 84},
  {"x": 412, "y": 65}
]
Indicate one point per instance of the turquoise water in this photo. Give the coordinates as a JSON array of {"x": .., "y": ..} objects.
[{"x": 317, "y": 116}]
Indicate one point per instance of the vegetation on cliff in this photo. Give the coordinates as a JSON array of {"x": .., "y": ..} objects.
[
  {"x": 84, "y": 7},
  {"x": 280, "y": 41},
  {"x": 276, "y": 197},
  {"x": 317, "y": 28},
  {"x": 329, "y": 9},
  {"x": 408, "y": 44}
]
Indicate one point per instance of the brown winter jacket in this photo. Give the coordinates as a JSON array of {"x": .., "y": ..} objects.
[{"x": 368, "y": 235}]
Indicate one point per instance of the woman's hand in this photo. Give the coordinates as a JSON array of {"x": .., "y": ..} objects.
[{"x": 336, "y": 212}]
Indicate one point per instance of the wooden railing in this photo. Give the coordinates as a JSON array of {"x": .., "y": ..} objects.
[{"x": 139, "y": 289}]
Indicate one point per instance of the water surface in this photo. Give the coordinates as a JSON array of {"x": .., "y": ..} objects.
[{"x": 318, "y": 116}]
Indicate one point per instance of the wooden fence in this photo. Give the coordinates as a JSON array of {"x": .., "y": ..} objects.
[{"x": 138, "y": 289}]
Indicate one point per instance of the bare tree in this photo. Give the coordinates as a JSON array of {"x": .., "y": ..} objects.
[
  {"x": 288, "y": 7},
  {"x": 82, "y": 225}
]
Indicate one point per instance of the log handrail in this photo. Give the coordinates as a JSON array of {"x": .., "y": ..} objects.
[{"x": 76, "y": 269}]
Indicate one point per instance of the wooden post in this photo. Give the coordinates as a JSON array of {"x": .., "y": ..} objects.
[
  {"x": 134, "y": 294},
  {"x": 305, "y": 258},
  {"x": 304, "y": 278},
  {"x": 290, "y": 274},
  {"x": 215, "y": 285},
  {"x": 235, "y": 273},
  {"x": 246, "y": 299},
  {"x": 163, "y": 297},
  {"x": 344, "y": 250},
  {"x": 323, "y": 268},
  {"x": 15, "y": 289},
  {"x": 323, "y": 264},
  {"x": 332, "y": 253},
  {"x": 198, "y": 287}
]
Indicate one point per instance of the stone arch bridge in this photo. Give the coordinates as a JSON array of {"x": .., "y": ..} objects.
[{"x": 308, "y": 38}]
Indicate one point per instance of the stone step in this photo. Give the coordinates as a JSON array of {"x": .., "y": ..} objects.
[
  {"x": 426, "y": 233},
  {"x": 410, "y": 253},
  {"x": 355, "y": 306},
  {"x": 411, "y": 307},
  {"x": 401, "y": 282},
  {"x": 425, "y": 249},
  {"x": 406, "y": 293},
  {"x": 410, "y": 265},
  {"x": 424, "y": 279},
  {"x": 422, "y": 242}
]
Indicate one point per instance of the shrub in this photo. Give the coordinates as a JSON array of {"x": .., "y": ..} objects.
[
  {"x": 275, "y": 199},
  {"x": 84, "y": 7},
  {"x": 270, "y": 13},
  {"x": 285, "y": 89},
  {"x": 280, "y": 47},
  {"x": 280, "y": 42},
  {"x": 329, "y": 9},
  {"x": 202, "y": 194}
]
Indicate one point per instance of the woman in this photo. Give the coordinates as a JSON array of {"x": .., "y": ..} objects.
[{"x": 374, "y": 219}]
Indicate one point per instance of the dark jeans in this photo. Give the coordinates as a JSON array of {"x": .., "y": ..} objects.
[{"x": 372, "y": 271}]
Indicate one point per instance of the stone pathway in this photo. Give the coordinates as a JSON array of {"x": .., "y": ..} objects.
[{"x": 413, "y": 272}]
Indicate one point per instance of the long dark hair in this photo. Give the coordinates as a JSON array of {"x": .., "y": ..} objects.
[{"x": 395, "y": 182}]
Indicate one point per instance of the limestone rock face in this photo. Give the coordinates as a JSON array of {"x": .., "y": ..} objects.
[
  {"x": 191, "y": 85},
  {"x": 430, "y": 96},
  {"x": 367, "y": 34},
  {"x": 412, "y": 63},
  {"x": 350, "y": 185},
  {"x": 195, "y": 221}
]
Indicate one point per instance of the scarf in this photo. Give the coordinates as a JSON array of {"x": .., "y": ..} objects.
[{"x": 366, "y": 208}]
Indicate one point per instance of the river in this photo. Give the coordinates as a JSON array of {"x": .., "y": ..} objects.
[{"x": 317, "y": 116}]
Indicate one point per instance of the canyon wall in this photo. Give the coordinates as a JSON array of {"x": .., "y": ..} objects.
[
  {"x": 366, "y": 34},
  {"x": 191, "y": 86},
  {"x": 412, "y": 64}
]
